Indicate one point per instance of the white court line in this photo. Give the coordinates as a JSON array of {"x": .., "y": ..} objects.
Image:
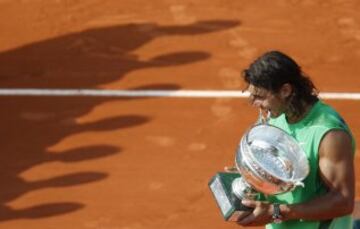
[{"x": 151, "y": 93}]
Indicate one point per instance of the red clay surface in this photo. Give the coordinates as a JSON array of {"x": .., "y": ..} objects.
[{"x": 121, "y": 163}]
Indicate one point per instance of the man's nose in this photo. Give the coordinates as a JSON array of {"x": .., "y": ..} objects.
[{"x": 256, "y": 103}]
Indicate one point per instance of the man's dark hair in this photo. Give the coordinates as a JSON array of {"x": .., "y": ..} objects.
[{"x": 273, "y": 69}]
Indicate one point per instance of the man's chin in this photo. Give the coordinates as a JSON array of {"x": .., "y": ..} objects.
[{"x": 274, "y": 115}]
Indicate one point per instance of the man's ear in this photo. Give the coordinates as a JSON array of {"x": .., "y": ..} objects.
[{"x": 286, "y": 90}]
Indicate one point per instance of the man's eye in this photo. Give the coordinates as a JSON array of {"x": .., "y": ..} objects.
[{"x": 257, "y": 97}]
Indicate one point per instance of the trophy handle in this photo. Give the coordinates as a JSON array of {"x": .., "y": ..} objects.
[
  {"x": 263, "y": 118},
  {"x": 231, "y": 169},
  {"x": 299, "y": 183}
]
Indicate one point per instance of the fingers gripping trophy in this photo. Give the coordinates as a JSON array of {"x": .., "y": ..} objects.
[{"x": 267, "y": 161}]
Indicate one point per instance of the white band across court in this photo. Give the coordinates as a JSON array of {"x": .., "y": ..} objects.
[{"x": 152, "y": 93}]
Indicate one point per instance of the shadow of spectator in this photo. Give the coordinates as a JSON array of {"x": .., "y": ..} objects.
[
  {"x": 31, "y": 125},
  {"x": 96, "y": 56}
]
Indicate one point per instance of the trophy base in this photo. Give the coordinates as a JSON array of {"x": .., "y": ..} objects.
[{"x": 229, "y": 204}]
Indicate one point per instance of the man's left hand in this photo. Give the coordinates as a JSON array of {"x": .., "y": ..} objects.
[{"x": 261, "y": 215}]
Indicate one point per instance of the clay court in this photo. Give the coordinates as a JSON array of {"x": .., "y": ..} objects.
[{"x": 143, "y": 162}]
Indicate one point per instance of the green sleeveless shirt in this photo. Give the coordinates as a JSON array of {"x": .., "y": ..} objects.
[{"x": 309, "y": 133}]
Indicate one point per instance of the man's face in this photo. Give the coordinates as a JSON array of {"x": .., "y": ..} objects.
[{"x": 267, "y": 101}]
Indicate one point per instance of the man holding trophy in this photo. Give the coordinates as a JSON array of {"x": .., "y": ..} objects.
[{"x": 295, "y": 168}]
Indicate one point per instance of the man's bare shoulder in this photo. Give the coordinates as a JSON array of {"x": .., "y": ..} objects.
[{"x": 335, "y": 144}]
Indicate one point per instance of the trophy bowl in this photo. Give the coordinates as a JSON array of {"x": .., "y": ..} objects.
[{"x": 270, "y": 161}]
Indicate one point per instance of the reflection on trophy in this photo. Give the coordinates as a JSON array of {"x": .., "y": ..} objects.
[{"x": 268, "y": 161}]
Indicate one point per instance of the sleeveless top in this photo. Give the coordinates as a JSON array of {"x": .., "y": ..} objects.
[{"x": 309, "y": 132}]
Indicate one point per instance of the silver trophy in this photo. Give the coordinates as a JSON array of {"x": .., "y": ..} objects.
[{"x": 268, "y": 161}]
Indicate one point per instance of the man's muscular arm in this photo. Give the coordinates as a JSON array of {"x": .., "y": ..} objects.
[{"x": 337, "y": 172}]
